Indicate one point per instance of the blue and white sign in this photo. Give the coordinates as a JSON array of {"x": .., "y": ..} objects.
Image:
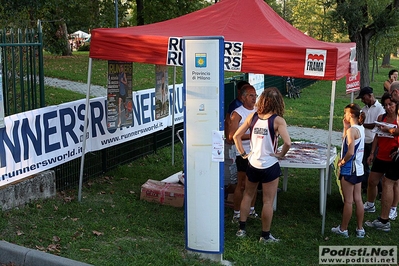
[
  {"x": 204, "y": 94},
  {"x": 38, "y": 140}
]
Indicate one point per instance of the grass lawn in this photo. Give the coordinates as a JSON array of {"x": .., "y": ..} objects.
[{"x": 112, "y": 226}]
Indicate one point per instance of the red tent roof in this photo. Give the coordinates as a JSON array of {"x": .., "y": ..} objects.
[{"x": 270, "y": 44}]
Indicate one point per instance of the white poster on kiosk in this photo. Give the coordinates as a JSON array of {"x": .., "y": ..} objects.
[{"x": 203, "y": 132}]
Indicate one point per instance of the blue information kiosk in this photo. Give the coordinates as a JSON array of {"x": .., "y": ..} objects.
[{"x": 203, "y": 134}]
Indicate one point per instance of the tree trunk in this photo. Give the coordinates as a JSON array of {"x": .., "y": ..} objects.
[
  {"x": 67, "y": 50},
  {"x": 140, "y": 18},
  {"x": 386, "y": 60},
  {"x": 362, "y": 40}
]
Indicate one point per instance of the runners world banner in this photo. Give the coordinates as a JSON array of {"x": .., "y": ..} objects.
[{"x": 37, "y": 140}]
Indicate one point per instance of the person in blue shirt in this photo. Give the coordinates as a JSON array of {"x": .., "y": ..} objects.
[{"x": 351, "y": 169}]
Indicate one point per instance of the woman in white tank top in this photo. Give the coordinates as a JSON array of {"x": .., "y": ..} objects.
[{"x": 265, "y": 124}]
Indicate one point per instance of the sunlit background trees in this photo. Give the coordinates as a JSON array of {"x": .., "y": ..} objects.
[{"x": 373, "y": 25}]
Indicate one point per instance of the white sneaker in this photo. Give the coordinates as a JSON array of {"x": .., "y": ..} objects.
[
  {"x": 338, "y": 231},
  {"x": 271, "y": 239},
  {"x": 236, "y": 218},
  {"x": 368, "y": 207},
  {"x": 393, "y": 214},
  {"x": 360, "y": 233},
  {"x": 253, "y": 214},
  {"x": 241, "y": 233}
]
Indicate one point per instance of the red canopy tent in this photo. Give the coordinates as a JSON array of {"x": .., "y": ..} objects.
[{"x": 270, "y": 45}]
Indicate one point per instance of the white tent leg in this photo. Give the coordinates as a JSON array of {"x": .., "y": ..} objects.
[
  {"x": 82, "y": 162},
  {"x": 173, "y": 115},
  {"x": 330, "y": 124}
]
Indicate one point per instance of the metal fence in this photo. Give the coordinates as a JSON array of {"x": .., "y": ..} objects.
[
  {"x": 99, "y": 162},
  {"x": 21, "y": 52}
]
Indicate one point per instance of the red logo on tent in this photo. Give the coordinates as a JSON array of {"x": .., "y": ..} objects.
[
  {"x": 316, "y": 57},
  {"x": 315, "y": 63}
]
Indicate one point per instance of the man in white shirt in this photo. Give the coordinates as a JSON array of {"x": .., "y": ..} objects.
[
  {"x": 372, "y": 109},
  {"x": 237, "y": 118}
]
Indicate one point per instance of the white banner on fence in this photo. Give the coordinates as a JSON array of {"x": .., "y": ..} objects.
[{"x": 37, "y": 140}]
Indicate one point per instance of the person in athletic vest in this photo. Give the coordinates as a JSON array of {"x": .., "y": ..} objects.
[
  {"x": 265, "y": 125},
  {"x": 351, "y": 169}
]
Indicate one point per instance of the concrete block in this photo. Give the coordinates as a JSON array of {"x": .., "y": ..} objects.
[
  {"x": 12, "y": 254},
  {"x": 40, "y": 186},
  {"x": 20, "y": 256},
  {"x": 40, "y": 258}
]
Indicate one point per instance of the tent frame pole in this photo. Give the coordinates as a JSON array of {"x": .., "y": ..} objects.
[
  {"x": 86, "y": 120},
  {"x": 327, "y": 176},
  {"x": 173, "y": 115}
]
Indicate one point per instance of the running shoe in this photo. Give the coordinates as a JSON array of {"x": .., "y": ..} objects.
[
  {"x": 338, "y": 231},
  {"x": 360, "y": 233},
  {"x": 253, "y": 214},
  {"x": 379, "y": 225},
  {"x": 271, "y": 239},
  {"x": 393, "y": 214},
  {"x": 368, "y": 207},
  {"x": 236, "y": 218},
  {"x": 241, "y": 233}
]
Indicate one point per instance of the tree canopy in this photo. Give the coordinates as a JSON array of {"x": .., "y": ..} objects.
[
  {"x": 360, "y": 21},
  {"x": 365, "y": 19}
]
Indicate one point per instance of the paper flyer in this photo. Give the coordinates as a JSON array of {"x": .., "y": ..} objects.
[
  {"x": 379, "y": 132},
  {"x": 119, "y": 94},
  {"x": 161, "y": 92},
  {"x": 217, "y": 146}
]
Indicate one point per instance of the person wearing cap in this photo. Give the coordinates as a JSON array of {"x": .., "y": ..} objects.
[{"x": 373, "y": 109}]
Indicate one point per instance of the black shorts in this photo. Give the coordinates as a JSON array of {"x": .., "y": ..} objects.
[
  {"x": 242, "y": 164},
  {"x": 393, "y": 171},
  {"x": 266, "y": 175},
  {"x": 380, "y": 166}
]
